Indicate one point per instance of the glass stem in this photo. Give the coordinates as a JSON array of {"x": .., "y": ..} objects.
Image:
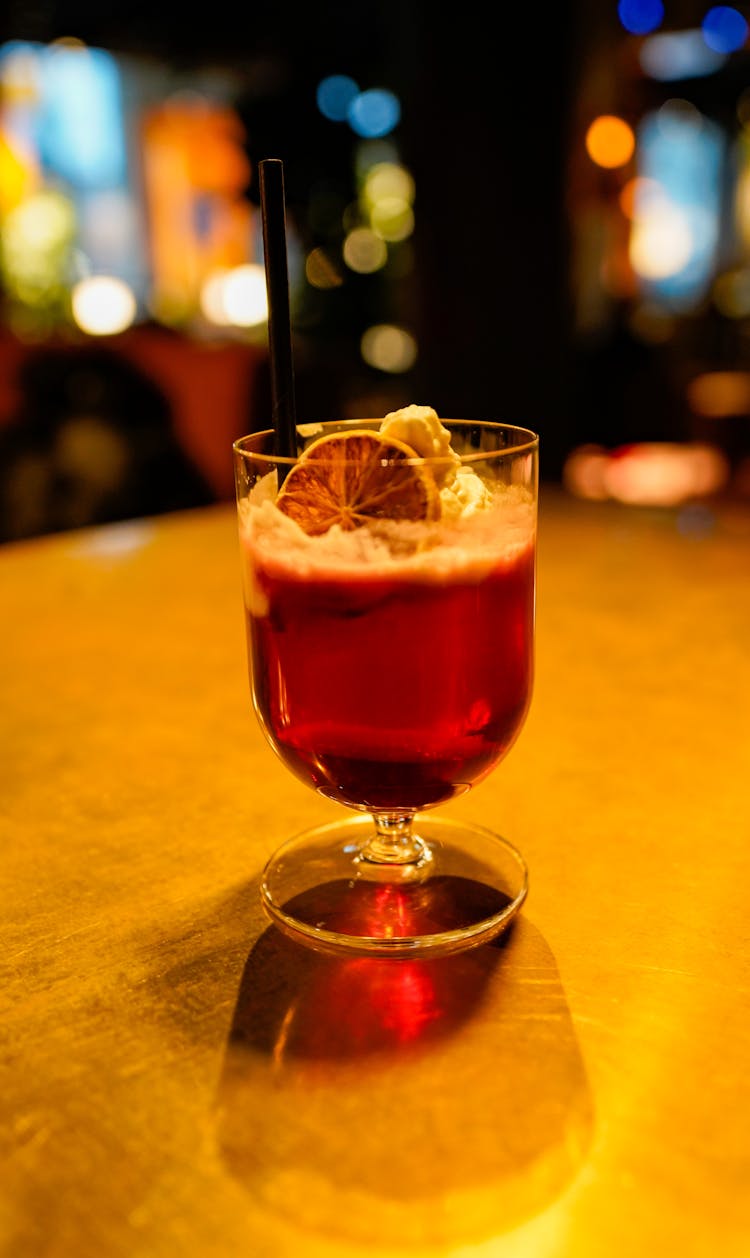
[{"x": 393, "y": 842}]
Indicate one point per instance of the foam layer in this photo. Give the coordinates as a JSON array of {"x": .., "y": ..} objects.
[{"x": 463, "y": 548}]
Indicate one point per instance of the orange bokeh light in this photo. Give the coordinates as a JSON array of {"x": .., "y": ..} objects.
[
  {"x": 718, "y": 394},
  {"x": 610, "y": 141},
  {"x": 193, "y": 157}
]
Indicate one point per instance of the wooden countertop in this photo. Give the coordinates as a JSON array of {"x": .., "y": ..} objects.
[{"x": 177, "y": 1079}]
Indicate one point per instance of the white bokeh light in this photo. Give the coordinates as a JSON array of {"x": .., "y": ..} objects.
[
  {"x": 235, "y": 297},
  {"x": 103, "y": 305},
  {"x": 212, "y": 297},
  {"x": 245, "y": 296},
  {"x": 661, "y": 243},
  {"x": 389, "y": 348}
]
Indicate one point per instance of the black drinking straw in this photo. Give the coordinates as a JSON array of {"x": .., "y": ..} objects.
[{"x": 273, "y": 215}]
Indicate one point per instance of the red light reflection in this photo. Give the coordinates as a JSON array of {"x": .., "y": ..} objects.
[
  {"x": 301, "y": 1006},
  {"x": 368, "y": 1003},
  {"x": 385, "y": 911}
]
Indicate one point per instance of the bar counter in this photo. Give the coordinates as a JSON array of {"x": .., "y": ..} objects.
[{"x": 178, "y": 1079}]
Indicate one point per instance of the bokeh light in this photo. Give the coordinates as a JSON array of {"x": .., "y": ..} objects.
[
  {"x": 212, "y": 297},
  {"x": 610, "y": 141},
  {"x": 584, "y": 472},
  {"x": 37, "y": 241},
  {"x": 646, "y": 474},
  {"x": 235, "y": 296},
  {"x": 388, "y": 179},
  {"x": 661, "y": 241},
  {"x": 388, "y": 348},
  {"x": 640, "y": 16},
  {"x": 80, "y": 121},
  {"x": 321, "y": 271},
  {"x": 392, "y": 219},
  {"x": 677, "y": 55},
  {"x": 724, "y": 29},
  {"x": 374, "y": 113},
  {"x": 385, "y": 199},
  {"x": 103, "y": 305},
  {"x": 19, "y": 173},
  {"x": 664, "y": 474},
  {"x": 245, "y": 295},
  {"x": 677, "y": 224},
  {"x": 41, "y": 223},
  {"x": 334, "y": 96},
  {"x": 718, "y": 394},
  {"x": 364, "y": 251}
]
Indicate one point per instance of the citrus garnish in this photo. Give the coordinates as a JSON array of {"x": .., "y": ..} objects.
[{"x": 351, "y": 478}]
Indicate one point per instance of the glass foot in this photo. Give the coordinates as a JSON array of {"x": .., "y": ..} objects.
[{"x": 464, "y": 887}]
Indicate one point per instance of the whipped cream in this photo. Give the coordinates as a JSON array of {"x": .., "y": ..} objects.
[
  {"x": 462, "y": 492},
  {"x": 420, "y": 428}
]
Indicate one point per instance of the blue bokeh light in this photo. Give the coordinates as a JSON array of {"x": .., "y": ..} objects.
[
  {"x": 374, "y": 113},
  {"x": 682, "y": 153},
  {"x": 724, "y": 29},
  {"x": 80, "y": 120},
  {"x": 640, "y": 17},
  {"x": 334, "y": 96}
]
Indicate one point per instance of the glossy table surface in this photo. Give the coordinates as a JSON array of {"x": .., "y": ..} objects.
[{"x": 178, "y": 1079}]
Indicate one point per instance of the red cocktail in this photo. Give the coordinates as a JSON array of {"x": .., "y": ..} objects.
[
  {"x": 390, "y": 619},
  {"x": 390, "y": 691}
]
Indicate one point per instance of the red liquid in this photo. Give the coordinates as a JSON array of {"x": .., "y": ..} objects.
[{"x": 393, "y": 693}]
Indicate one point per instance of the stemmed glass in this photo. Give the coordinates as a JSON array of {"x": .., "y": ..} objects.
[{"x": 391, "y": 669}]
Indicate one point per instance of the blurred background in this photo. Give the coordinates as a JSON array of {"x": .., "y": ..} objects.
[{"x": 543, "y": 220}]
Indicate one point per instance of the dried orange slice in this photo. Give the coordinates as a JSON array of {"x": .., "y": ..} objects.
[{"x": 350, "y": 478}]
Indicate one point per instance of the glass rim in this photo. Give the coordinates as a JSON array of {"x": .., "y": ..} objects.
[{"x": 529, "y": 441}]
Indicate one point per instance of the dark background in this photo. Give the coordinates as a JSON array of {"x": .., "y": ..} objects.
[{"x": 494, "y": 107}]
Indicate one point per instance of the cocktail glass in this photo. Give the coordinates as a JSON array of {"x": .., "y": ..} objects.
[{"x": 391, "y": 669}]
